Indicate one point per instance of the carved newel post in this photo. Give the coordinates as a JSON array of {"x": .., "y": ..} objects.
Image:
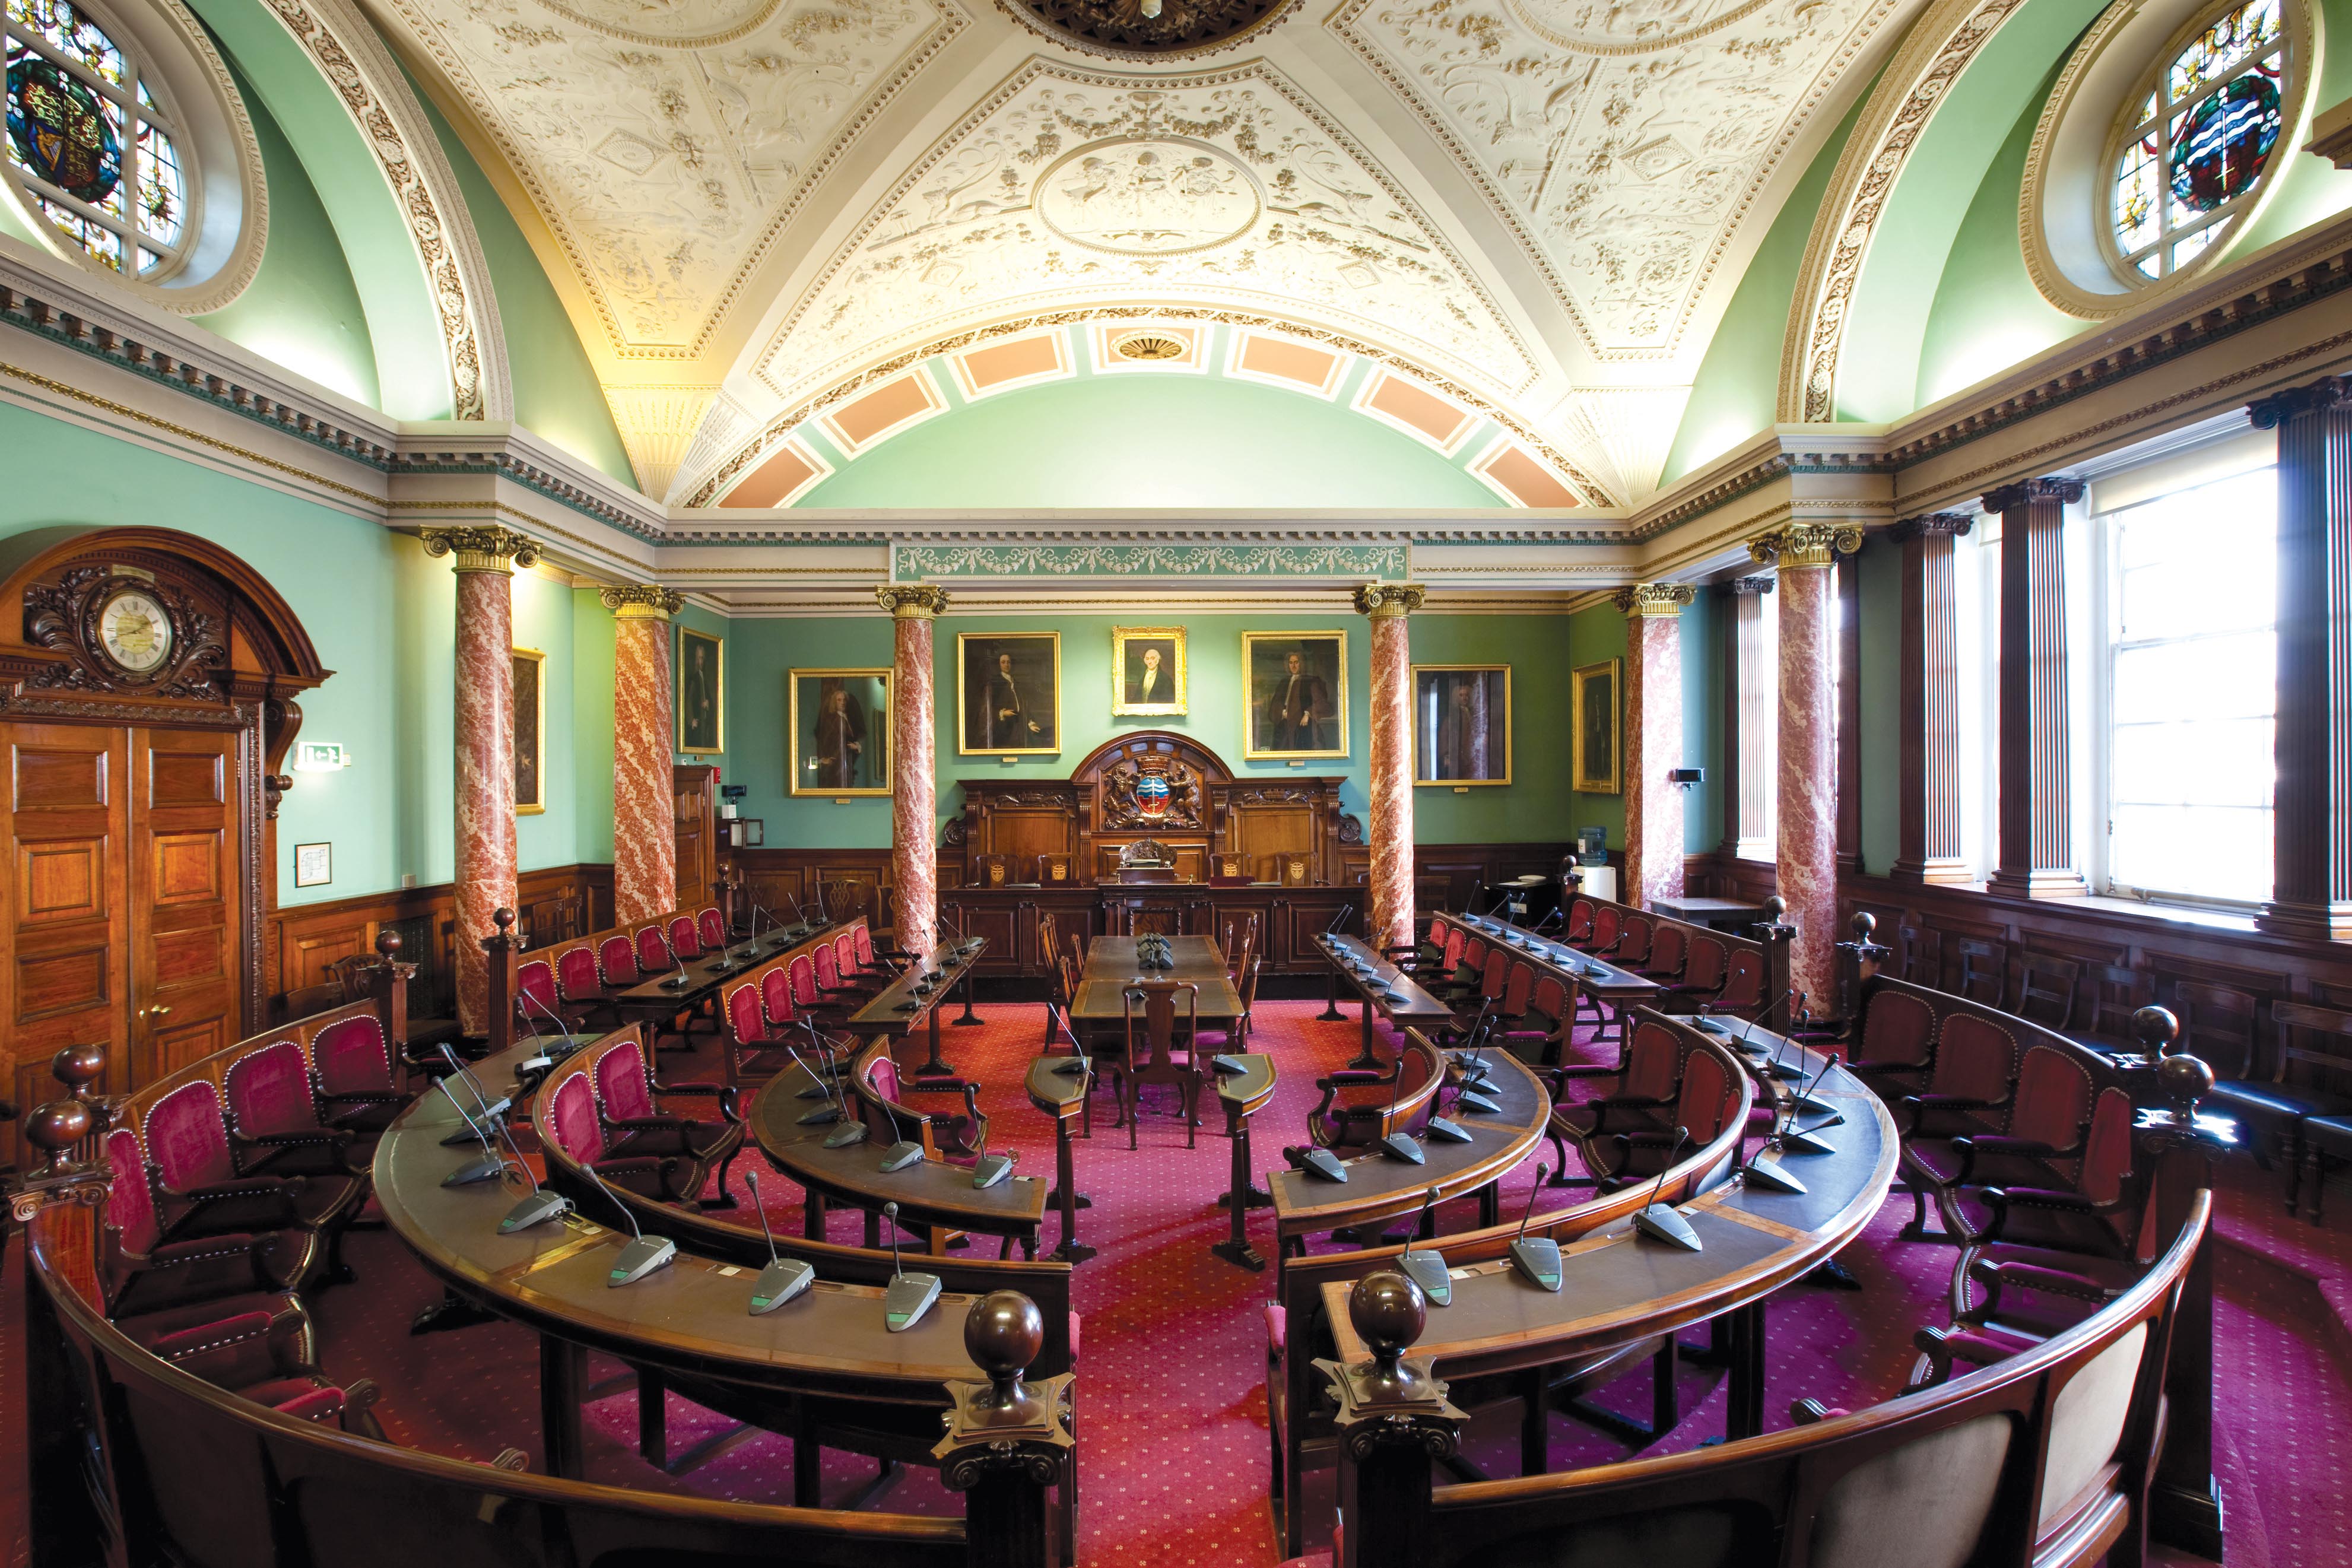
[
  {"x": 1858, "y": 960},
  {"x": 77, "y": 1068},
  {"x": 1395, "y": 1423},
  {"x": 387, "y": 984},
  {"x": 1009, "y": 1442},
  {"x": 1777, "y": 936},
  {"x": 501, "y": 945},
  {"x": 55, "y": 1130}
]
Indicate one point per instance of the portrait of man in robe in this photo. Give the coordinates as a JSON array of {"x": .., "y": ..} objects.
[
  {"x": 1298, "y": 694},
  {"x": 840, "y": 726},
  {"x": 1009, "y": 693},
  {"x": 1462, "y": 723},
  {"x": 701, "y": 694}
]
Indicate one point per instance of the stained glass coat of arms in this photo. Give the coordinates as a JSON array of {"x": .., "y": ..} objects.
[
  {"x": 95, "y": 151},
  {"x": 2203, "y": 136}
]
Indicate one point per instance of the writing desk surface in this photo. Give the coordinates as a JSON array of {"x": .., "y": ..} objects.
[
  {"x": 1388, "y": 988},
  {"x": 1593, "y": 973},
  {"x": 1111, "y": 969},
  {"x": 887, "y": 1012},
  {"x": 713, "y": 970}
]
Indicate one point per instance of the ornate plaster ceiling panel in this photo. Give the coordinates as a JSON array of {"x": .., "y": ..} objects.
[
  {"x": 1065, "y": 188},
  {"x": 1626, "y": 140},
  {"x": 665, "y": 141}
]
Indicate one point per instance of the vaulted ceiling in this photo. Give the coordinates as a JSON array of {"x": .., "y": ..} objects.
[{"x": 1540, "y": 208}]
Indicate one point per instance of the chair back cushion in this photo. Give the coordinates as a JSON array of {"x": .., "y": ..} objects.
[
  {"x": 1633, "y": 938},
  {"x": 1579, "y": 919},
  {"x": 1975, "y": 1058},
  {"x": 2053, "y": 1098},
  {"x": 2086, "y": 1423},
  {"x": 1606, "y": 926},
  {"x": 828, "y": 965},
  {"x": 1551, "y": 998},
  {"x": 269, "y": 1091},
  {"x": 745, "y": 1018},
  {"x": 1518, "y": 988},
  {"x": 1473, "y": 956},
  {"x": 1924, "y": 1505},
  {"x": 1709, "y": 1094},
  {"x": 621, "y": 1082},
  {"x": 351, "y": 1058},
  {"x": 844, "y": 955},
  {"x": 1897, "y": 1028},
  {"x": 188, "y": 1139},
  {"x": 571, "y": 1119},
  {"x": 1703, "y": 970},
  {"x": 1669, "y": 944},
  {"x": 2107, "y": 1150},
  {"x": 776, "y": 995},
  {"x": 616, "y": 963},
  {"x": 1456, "y": 939},
  {"x": 653, "y": 953},
  {"x": 684, "y": 939},
  {"x": 861, "y": 945},
  {"x": 129, "y": 1205},
  {"x": 1497, "y": 971},
  {"x": 1651, "y": 1061},
  {"x": 575, "y": 974},
  {"x": 711, "y": 927},
  {"x": 803, "y": 973},
  {"x": 1743, "y": 980},
  {"x": 535, "y": 980}
]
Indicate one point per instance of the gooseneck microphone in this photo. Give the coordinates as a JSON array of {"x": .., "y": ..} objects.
[
  {"x": 681, "y": 980},
  {"x": 484, "y": 1106},
  {"x": 1767, "y": 1011},
  {"x": 484, "y": 1165},
  {"x": 902, "y": 1155},
  {"x": 784, "y": 1277},
  {"x": 1426, "y": 1266},
  {"x": 826, "y": 1111},
  {"x": 1658, "y": 1221},
  {"x": 1537, "y": 1258},
  {"x": 1338, "y": 919},
  {"x": 543, "y": 1203},
  {"x": 910, "y": 1296},
  {"x": 1401, "y": 1145},
  {"x": 641, "y": 1256},
  {"x": 562, "y": 1027}
]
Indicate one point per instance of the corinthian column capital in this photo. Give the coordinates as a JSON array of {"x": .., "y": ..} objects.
[
  {"x": 480, "y": 547},
  {"x": 1932, "y": 525},
  {"x": 1806, "y": 544},
  {"x": 2025, "y": 492},
  {"x": 912, "y": 601},
  {"x": 1664, "y": 600},
  {"x": 2328, "y": 392},
  {"x": 643, "y": 601},
  {"x": 1385, "y": 601}
]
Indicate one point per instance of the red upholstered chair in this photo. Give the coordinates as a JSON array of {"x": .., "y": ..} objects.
[
  {"x": 580, "y": 986},
  {"x": 1354, "y": 1110},
  {"x": 710, "y": 927},
  {"x": 274, "y": 1118},
  {"x": 1608, "y": 929},
  {"x": 1969, "y": 1094},
  {"x": 261, "y": 1347},
  {"x": 352, "y": 1071},
  {"x": 536, "y": 995},
  {"x": 629, "y": 1098},
  {"x": 957, "y": 1137},
  {"x": 574, "y": 1123},
  {"x": 140, "y": 1271},
  {"x": 2046, "y": 1120},
  {"x": 754, "y": 1045},
  {"x": 1669, "y": 953},
  {"x": 1703, "y": 970},
  {"x": 653, "y": 956},
  {"x": 1634, "y": 933},
  {"x": 206, "y": 1193},
  {"x": 1646, "y": 1083},
  {"x": 684, "y": 939},
  {"x": 1742, "y": 991},
  {"x": 1578, "y": 931},
  {"x": 1548, "y": 1019},
  {"x": 807, "y": 995},
  {"x": 1706, "y": 1095},
  {"x": 1895, "y": 1046},
  {"x": 616, "y": 963}
]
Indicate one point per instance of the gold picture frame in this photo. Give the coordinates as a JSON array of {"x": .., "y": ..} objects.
[
  {"x": 1131, "y": 662},
  {"x": 530, "y": 731},
  {"x": 1454, "y": 729},
  {"x": 1596, "y": 727},
  {"x": 1035, "y": 658},
  {"x": 1271, "y": 734},
  {"x": 701, "y": 694},
  {"x": 864, "y": 749}
]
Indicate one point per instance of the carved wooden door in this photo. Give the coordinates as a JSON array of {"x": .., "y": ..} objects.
[{"x": 187, "y": 835}]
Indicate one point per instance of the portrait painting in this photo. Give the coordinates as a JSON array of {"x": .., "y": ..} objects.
[
  {"x": 701, "y": 694},
  {"x": 1008, "y": 693},
  {"x": 1595, "y": 726},
  {"x": 1147, "y": 672},
  {"x": 1462, "y": 723},
  {"x": 1298, "y": 684},
  {"x": 839, "y": 720},
  {"x": 530, "y": 731}
]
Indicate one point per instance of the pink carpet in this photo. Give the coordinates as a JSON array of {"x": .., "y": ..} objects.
[{"x": 1171, "y": 1375}]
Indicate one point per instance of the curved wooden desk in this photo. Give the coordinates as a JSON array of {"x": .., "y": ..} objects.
[
  {"x": 906, "y": 1003},
  {"x": 652, "y": 1000},
  {"x": 936, "y": 1197},
  {"x": 1383, "y": 987},
  {"x": 1619, "y": 986}
]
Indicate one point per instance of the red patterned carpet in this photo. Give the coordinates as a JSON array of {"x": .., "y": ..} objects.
[{"x": 1172, "y": 1370}]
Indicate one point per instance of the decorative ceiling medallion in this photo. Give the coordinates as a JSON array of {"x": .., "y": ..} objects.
[
  {"x": 1138, "y": 30},
  {"x": 668, "y": 24},
  {"x": 1148, "y": 346},
  {"x": 1147, "y": 197}
]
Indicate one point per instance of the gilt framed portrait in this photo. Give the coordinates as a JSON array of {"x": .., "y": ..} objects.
[
  {"x": 1008, "y": 694},
  {"x": 1297, "y": 684},
  {"x": 701, "y": 694},
  {"x": 1594, "y": 725},
  {"x": 840, "y": 726},
  {"x": 530, "y": 731},
  {"x": 1147, "y": 671},
  {"x": 1462, "y": 724}
]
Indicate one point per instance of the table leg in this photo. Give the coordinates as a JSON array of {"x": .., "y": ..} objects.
[
  {"x": 1367, "y": 1059},
  {"x": 1535, "y": 1423},
  {"x": 971, "y": 978},
  {"x": 813, "y": 1218},
  {"x": 1330, "y": 1014},
  {"x": 1072, "y": 1250},
  {"x": 1744, "y": 1411},
  {"x": 1236, "y": 1249},
  {"x": 562, "y": 1367},
  {"x": 935, "y": 1067}
]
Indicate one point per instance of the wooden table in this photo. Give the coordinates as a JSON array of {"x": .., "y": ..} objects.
[
  {"x": 651, "y": 1000},
  {"x": 1244, "y": 1094},
  {"x": 1382, "y": 985},
  {"x": 1620, "y": 988},
  {"x": 899, "y": 1006},
  {"x": 1062, "y": 1097},
  {"x": 1720, "y": 914},
  {"x": 1111, "y": 969}
]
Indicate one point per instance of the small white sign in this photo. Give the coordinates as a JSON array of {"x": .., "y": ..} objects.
[{"x": 313, "y": 865}]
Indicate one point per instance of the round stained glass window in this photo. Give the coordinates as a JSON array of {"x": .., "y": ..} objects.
[
  {"x": 61, "y": 132},
  {"x": 2199, "y": 138}
]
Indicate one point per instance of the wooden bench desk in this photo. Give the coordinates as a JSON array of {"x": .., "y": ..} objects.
[
  {"x": 1382, "y": 986},
  {"x": 914, "y": 997}
]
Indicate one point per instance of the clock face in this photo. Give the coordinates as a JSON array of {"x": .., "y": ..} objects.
[{"x": 134, "y": 631}]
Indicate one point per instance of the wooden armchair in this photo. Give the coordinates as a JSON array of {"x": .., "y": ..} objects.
[
  {"x": 141, "y": 1269},
  {"x": 1360, "y": 1107},
  {"x": 1645, "y": 1084},
  {"x": 2048, "y": 989},
  {"x": 1163, "y": 1054},
  {"x": 206, "y": 1190},
  {"x": 957, "y": 1137},
  {"x": 1971, "y": 1086},
  {"x": 629, "y": 1107},
  {"x": 1984, "y": 972}
]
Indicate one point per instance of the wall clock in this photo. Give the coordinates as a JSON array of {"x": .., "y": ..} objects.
[{"x": 135, "y": 630}]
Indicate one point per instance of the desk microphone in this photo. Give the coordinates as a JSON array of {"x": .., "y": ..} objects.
[
  {"x": 902, "y": 1155},
  {"x": 1338, "y": 919},
  {"x": 1801, "y": 1096},
  {"x": 1798, "y": 1140},
  {"x": 784, "y": 1277},
  {"x": 1535, "y": 1257},
  {"x": 1401, "y": 1145},
  {"x": 909, "y": 1295},
  {"x": 569, "y": 1044},
  {"x": 1317, "y": 1161},
  {"x": 484, "y": 1107},
  {"x": 1765, "y": 1170},
  {"x": 1741, "y": 1043},
  {"x": 1656, "y": 1219},
  {"x": 991, "y": 1169},
  {"x": 1426, "y": 1268},
  {"x": 1074, "y": 1064},
  {"x": 681, "y": 980},
  {"x": 642, "y": 1254},
  {"x": 799, "y": 928},
  {"x": 543, "y": 1203},
  {"x": 824, "y": 1114},
  {"x": 488, "y": 1164}
]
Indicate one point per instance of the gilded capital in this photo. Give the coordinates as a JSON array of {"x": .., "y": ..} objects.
[
  {"x": 643, "y": 601},
  {"x": 1664, "y": 600},
  {"x": 2028, "y": 492},
  {"x": 1388, "y": 601},
  {"x": 480, "y": 547},
  {"x": 912, "y": 601},
  {"x": 2329, "y": 392},
  {"x": 1807, "y": 544}
]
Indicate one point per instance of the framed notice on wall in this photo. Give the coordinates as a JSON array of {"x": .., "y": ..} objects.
[
  {"x": 701, "y": 694},
  {"x": 314, "y": 865},
  {"x": 530, "y": 731}
]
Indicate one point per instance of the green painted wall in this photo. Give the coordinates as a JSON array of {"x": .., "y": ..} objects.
[
  {"x": 1595, "y": 634},
  {"x": 556, "y": 392},
  {"x": 1126, "y": 440},
  {"x": 592, "y": 636},
  {"x": 302, "y": 309},
  {"x": 1535, "y": 808}
]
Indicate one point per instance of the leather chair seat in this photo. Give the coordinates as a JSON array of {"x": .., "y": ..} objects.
[
  {"x": 316, "y": 1202},
  {"x": 2076, "y": 1232},
  {"x": 181, "y": 1274}
]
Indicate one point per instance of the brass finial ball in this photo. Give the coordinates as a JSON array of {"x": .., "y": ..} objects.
[
  {"x": 56, "y": 1127},
  {"x": 1776, "y": 906},
  {"x": 2185, "y": 1079},
  {"x": 1003, "y": 1334},
  {"x": 78, "y": 1066},
  {"x": 2155, "y": 1029},
  {"x": 387, "y": 944},
  {"x": 1866, "y": 926},
  {"x": 502, "y": 918},
  {"x": 1389, "y": 1312}
]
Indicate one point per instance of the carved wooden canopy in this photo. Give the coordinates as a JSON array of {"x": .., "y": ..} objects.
[{"x": 1111, "y": 779}]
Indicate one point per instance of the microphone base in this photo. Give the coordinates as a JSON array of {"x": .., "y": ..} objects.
[
  {"x": 1797, "y": 1140},
  {"x": 1447, "y": 1131},
  {"x": 812, "y": 1090},
  {"x": 901, "y": 1156},
  {"x": 640, "y": 1257},
  {"x": 1071, "y": 1067},
  {"x": 1228, "y": 1064},
  {"x": 779, "y": 1282},
  {"x": 480, "y": 1169},
  {"x": 537, "y": 1209},
  {"x": 1537, "y": 1259},
  {"x": 1427, "y": 1269},
  {"x": 991, "y": 1169},
  {"x": 1324, "y": 1163},
  {"x": 908, "y": 1299},
  {"x": 1767, "y": 1172},
  {"x": 822, "y": 1116},
  {"x": 845, "y": 1135},
  {"x": 1662, "y": 1224},
  {"x": 1402, "y": 1146},
  {"x": 1476, "y": 1104}
]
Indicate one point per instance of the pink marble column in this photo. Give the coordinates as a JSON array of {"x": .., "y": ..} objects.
[
  {"x": 1808, "y": 745},
  {"x": 485, "y": 560},
  {"x": 914, "y": 790},
  {"x": 1388, "y": 922},
  {"x": 1653, "y": 739},
  {"x": 645, "y": 843}
]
